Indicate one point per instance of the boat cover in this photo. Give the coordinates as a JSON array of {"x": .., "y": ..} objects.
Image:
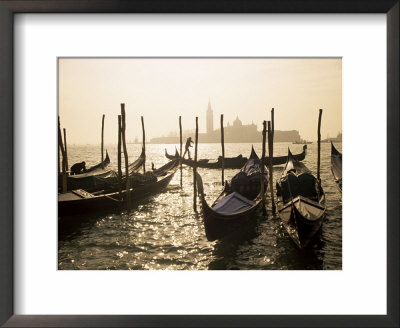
[
  {"x": 137, "y": 179},
  {"x": 293, "y": 185},
  {"x": 248, "y": 181},
  {"x": 308, "y": 211},
  {"x": 232, "y": 203}
]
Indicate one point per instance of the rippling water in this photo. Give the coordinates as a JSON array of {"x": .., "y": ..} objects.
[{"x": 163, "y": 231}]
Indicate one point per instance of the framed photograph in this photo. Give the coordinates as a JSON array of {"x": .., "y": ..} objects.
[{"x": 115, "y": 114}]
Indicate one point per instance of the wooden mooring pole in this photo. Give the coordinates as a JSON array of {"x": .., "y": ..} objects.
[
  {"x": 319, "y": 145},
  {"x": 195, "y": 166},
  {"x": 180, "y": 147},
  {"x": 128, "y": 191},
  {"x": 223, "y": 149},
  {"x": 102, "y": 141},
  {"x": 65, "y": 149},
  {"x": 119, "y": 159},
  {"x": 64, "y": 173},
  {"x": 263, "y": 168},
  {"x": 273, "y": 128},
  {"x": 144, "y": 146},
  {"x": 273, "y": 122},
  {"x": 270, "y": 164}
]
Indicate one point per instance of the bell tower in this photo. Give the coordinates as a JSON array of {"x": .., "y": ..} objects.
[{"x": 210, "y": 119}]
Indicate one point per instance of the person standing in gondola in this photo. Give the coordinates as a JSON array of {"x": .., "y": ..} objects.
[{"x": 189, "y": 142}]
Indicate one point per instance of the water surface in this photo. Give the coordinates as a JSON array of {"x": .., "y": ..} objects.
[{"x": 163, "y": 231}]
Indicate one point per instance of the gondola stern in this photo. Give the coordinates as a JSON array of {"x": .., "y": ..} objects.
[
  {"x": 200, "y": 187},
  {"x": 107, "y": 159},
  {"x": 289, "y": 153}
]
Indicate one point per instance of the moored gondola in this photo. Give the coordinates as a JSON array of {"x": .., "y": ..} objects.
[
  {"x": 80, "y": 201},
  {"x": 300, "y": 202},
  {"x": 99, "y": 166},
  {"x": 238, "y": 202},
  {"x": 99, "y": 177},
  {"x": 163, "y": 170},
  {"x": 336, "y": 166},
  {"x": 233, "y": 162}
]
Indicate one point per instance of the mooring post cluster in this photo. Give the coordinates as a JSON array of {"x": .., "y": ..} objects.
[
  {"x": 263, "y": 167},
  {"x": 64, "y": 157},
  {"x": 271, "y": 158},
  {"x": 123, "y": 127}
]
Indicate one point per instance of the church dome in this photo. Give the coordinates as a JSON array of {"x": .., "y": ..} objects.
[{"x": 237, "y": 122}]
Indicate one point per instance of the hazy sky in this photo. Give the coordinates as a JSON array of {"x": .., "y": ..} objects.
[{"x": 163, "y": 89}]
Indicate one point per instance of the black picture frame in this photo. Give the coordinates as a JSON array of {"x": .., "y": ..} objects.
[{"x": 10, "y": 7}]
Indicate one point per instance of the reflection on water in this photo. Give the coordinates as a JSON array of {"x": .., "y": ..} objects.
[{"x": 163, "y": 231}]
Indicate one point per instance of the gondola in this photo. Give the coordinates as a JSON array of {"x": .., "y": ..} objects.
[
  {"x": 81, "y": 201},
  {"x": 101, "y": 165},
  {"x": 163, "y": 170},
  {"x": 238, "y": 202},
  {"x": 233, "y": 162},
  {"x": 90, "y": 177},
  {"x": 98, "y": 176},
  {"x": 300, "y": 202},
  {"x": 336, "y": 166}
]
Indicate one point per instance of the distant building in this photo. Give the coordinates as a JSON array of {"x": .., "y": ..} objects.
[{"x": 235, "y": 133}]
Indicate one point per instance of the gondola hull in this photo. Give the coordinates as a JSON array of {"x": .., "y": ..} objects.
[
  {"x": 100, "y": 166},
  {"x": 70, "y": 204},
  {"x": 336, "y": 166},
  {"x": 218, "y": 225}
]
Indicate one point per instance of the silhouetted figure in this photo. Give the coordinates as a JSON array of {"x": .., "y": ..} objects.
[
  {"x": 189, "y": 142},
  {"x": 78, "y": 168}
]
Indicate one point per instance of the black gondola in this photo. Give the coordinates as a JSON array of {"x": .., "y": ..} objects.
[
  {"x": 233, "y": 162},
  {"x": 163, "y": 170},
  {"x": 98, "y": 176},
  {"x": 238, "y": 202},
  {"x": 336, "y": 166},
  {"x": 81, "y": 201},
  {"x": 300, "y": 202},
  {"x": 101, "y": 165}
]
